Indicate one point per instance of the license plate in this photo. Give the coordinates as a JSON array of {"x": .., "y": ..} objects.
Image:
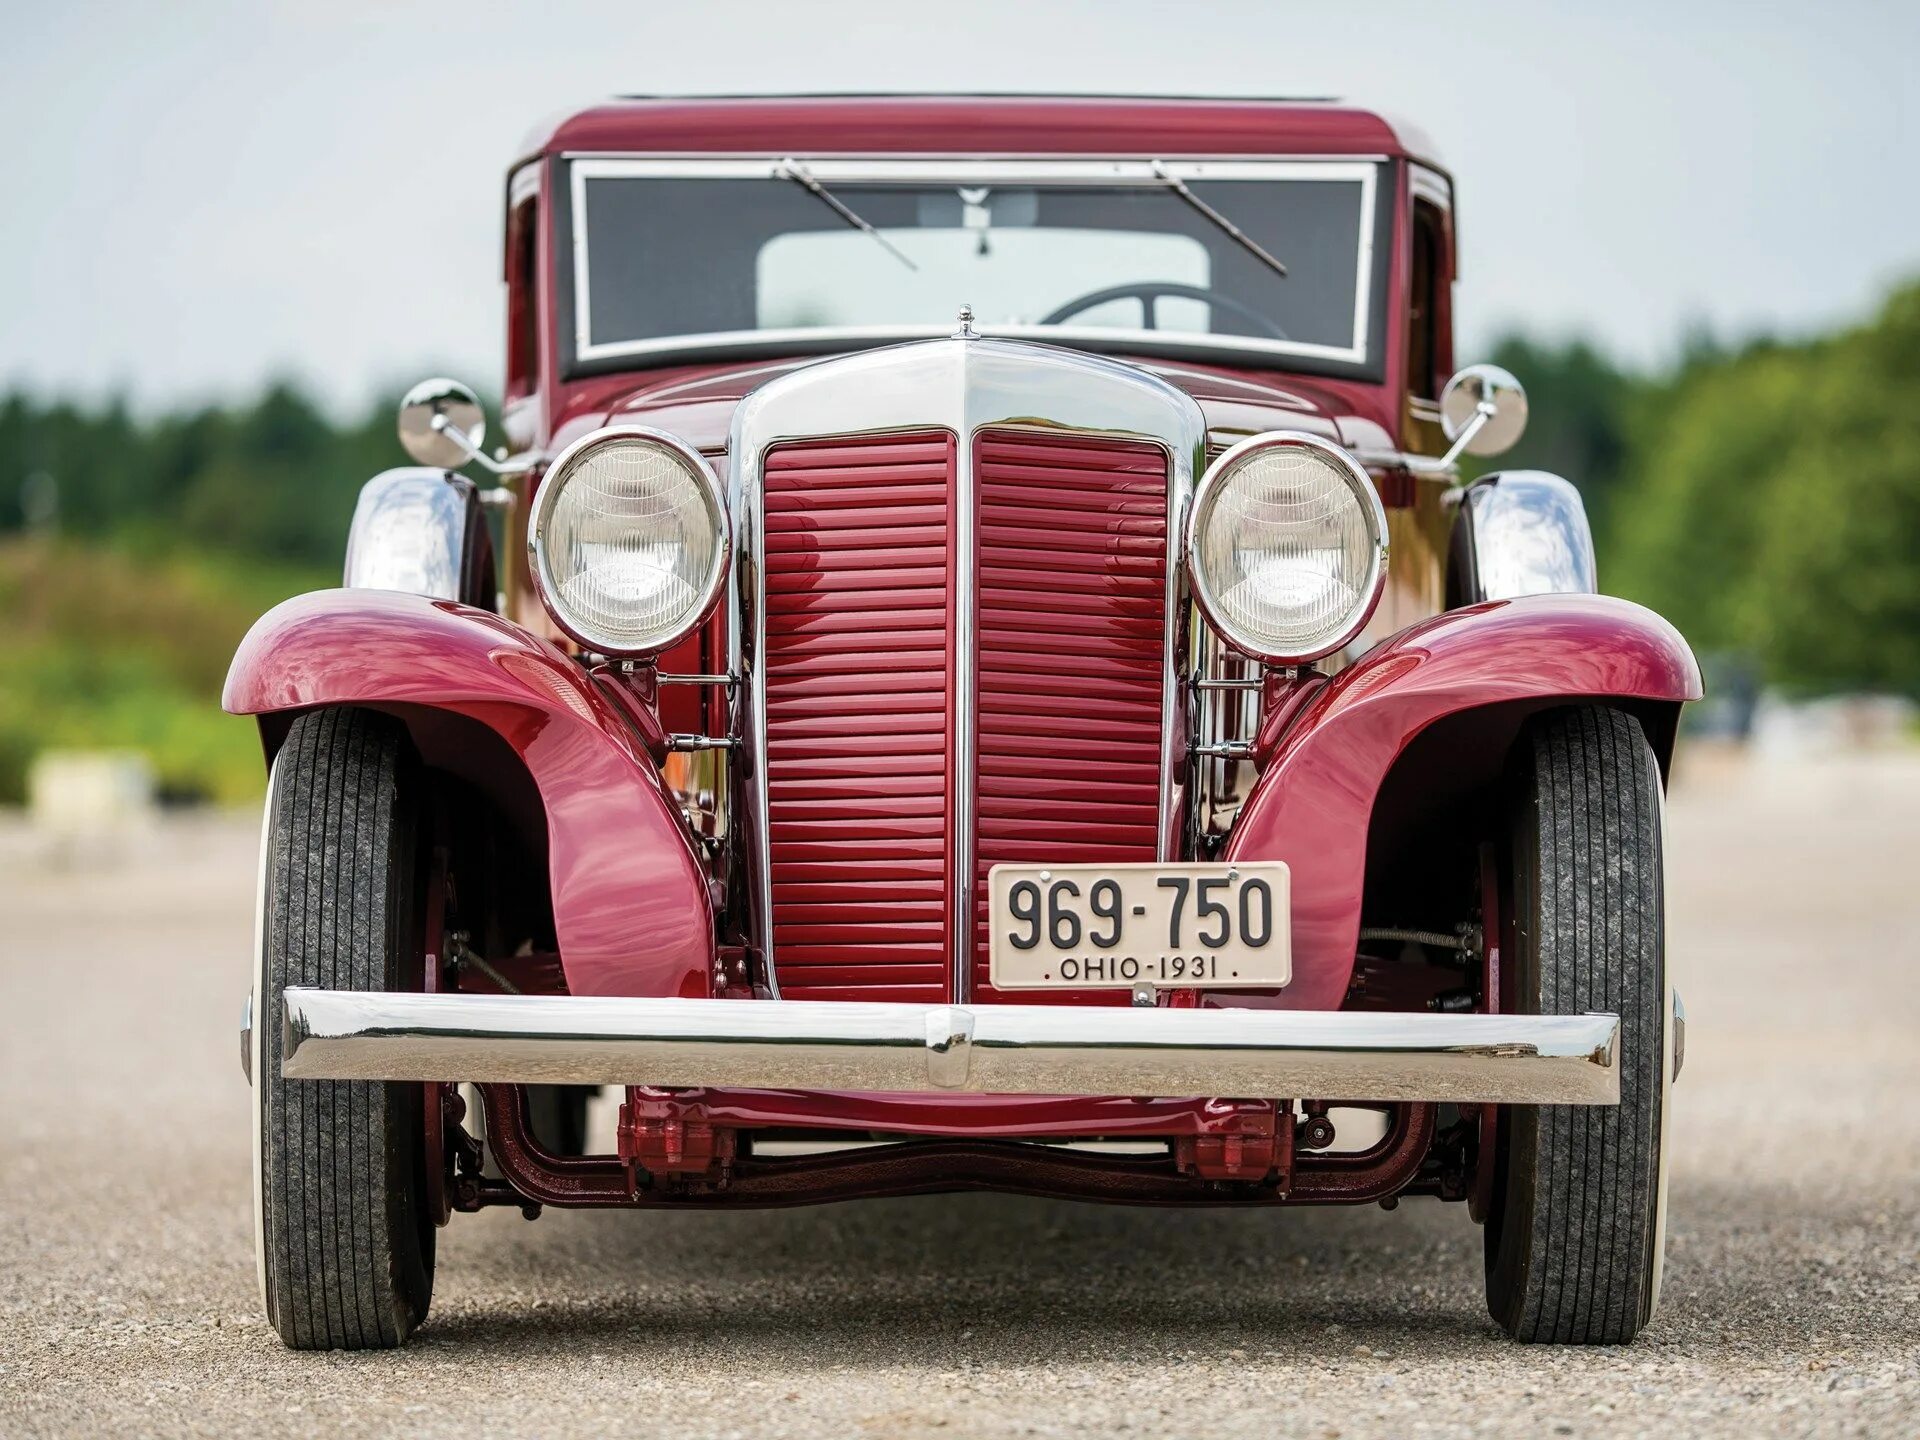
[{"x": 1078, "y": 927}]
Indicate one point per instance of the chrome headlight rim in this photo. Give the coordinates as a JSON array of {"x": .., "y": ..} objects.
[
  {"x": 553, "y": 482},
  {"x": 1208, "y": 492}
]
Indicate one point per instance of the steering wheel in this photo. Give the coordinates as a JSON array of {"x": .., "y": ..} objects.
[{"x": 1151, "y": 292}]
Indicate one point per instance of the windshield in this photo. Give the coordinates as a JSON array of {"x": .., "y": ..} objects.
[{"x": 671, "y": 255}]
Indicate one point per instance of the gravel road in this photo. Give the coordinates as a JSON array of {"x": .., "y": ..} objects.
[{"x": 1792, "y": 1293}]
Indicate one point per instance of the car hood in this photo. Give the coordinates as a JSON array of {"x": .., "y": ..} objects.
[{"x": 698, "y": 403}]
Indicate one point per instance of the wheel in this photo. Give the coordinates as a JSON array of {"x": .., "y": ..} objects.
[
  {"x": 342, "y": 1224},
  {"x": 1575, "y": 1232}
]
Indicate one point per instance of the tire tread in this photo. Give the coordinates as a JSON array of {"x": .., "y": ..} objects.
[
  {"x": 1569, "y": 1255},
  {"x": 349, "y": 1257}
]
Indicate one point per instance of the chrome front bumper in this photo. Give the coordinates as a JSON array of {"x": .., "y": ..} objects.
[{"x": 943, "y": 1049}]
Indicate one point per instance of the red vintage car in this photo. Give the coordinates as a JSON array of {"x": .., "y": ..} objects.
[{"x": 946, "y": 719}]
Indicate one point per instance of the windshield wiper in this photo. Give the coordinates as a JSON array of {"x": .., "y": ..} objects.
[
  {"x": 1253, "y": 247},
  {"x": 793, "y": 170}
]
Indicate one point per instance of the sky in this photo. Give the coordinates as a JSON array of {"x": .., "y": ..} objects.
[{"x": 201, "y": 196}]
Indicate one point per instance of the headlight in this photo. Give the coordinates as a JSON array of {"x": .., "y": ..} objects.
[
  {"x": 1287, "y": 547},
  {"x": 628, "y": 540}
]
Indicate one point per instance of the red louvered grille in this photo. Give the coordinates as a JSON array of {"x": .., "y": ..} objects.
[
  {"x": 1070, "y": 564},
  {"x": 859, "y": 709},
  {"x": 1071, "y": 544}
]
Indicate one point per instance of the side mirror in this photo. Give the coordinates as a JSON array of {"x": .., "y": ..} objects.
[
  {"x": 442, "y": 424},
  {"x": 1483, "y": 411}
]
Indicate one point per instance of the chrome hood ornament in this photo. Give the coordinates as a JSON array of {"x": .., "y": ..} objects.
[{"x": 966, "y": 330}]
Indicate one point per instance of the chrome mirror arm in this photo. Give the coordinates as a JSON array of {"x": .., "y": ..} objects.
[
  {"x": 518, "y": 465},
  {"x": 1482, "y": 413}
]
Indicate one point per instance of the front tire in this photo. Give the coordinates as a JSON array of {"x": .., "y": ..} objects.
[
  {"x": 345, "y": 1234},
  {"x": 1575, "y": 1232}
]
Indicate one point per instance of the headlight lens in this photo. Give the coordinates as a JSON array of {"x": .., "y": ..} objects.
[
  {"x": 1287, "y": 547},
  {"x": 629, "y": 540}
]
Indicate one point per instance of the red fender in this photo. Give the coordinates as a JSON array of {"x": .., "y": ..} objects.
[
  {"x": 1313, "y": 802},
  {"x": 630, "y": 901}
]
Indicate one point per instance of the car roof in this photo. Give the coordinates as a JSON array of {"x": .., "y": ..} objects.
[{"x": 978, "y": 124}]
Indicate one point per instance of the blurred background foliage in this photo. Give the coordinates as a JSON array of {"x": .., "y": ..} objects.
[{"x": 1766, "y": 498}]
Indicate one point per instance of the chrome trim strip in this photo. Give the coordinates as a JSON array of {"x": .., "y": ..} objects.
[
  {"x": 1146, "y": 174},
  {"x": 724, "y": 342},
  {"x": 963, "y": 386},
  {"x": 966, "y": 737},
  {"x": 1036, "y": 169},
  {"x": 1002, "y": 165},
  {"x": 577, "y": 176},
  {"x": 1189, "y": 459},
  {"x": 944, "y": 1049}
]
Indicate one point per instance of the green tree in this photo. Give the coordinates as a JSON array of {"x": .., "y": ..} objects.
[
  {"x": 274, "y": 479},
  {"x": 1835, "y": 602},
  {"x": 1772, "y": 506}
]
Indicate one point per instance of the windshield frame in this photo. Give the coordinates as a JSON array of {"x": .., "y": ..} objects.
[{"x": 1364, "y": 359}]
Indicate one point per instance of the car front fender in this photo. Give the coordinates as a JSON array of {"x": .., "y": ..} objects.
[
  {"x": 1314, "y": 800},
  {"x": 631, "y": 909}
]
